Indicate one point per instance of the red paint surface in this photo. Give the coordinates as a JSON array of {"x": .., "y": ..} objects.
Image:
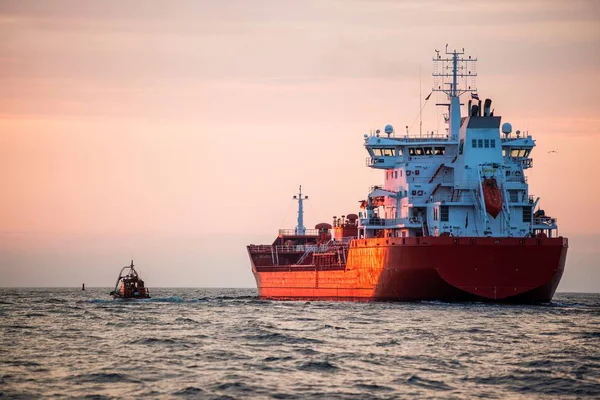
[{"x": 426, "y": 268}]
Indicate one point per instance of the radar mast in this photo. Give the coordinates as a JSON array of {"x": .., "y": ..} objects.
[
  {"x": 454, "y": 74},
  {"x": 300, "y": 229}
]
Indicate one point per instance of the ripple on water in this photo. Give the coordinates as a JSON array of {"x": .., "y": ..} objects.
[
  {"x": 371, "y": 387},
  {"x": 205, "y": 343},
  {"x": 551, "y": 385},
  {"x": 416, "y": 380},
  {"x": 152, "y": 341},
  {"x": 275, "y": 337},
  {"x": 102, "y": 377},
  {"x": 317, "y": 366},
  {"x": 189, "y": 391}
]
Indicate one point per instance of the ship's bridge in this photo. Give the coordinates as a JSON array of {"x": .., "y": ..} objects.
[
  {"x": 516, "y": 150},
  {"x": 390, "y": 151}
]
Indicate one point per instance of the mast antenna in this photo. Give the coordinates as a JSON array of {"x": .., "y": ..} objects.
[
  {"x": 454, "y": 73},
  {"x": 300, "y": 229},
  {"x": 420, "y": 105}
]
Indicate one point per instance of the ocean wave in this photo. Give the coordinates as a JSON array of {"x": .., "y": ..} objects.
[
  {"x": 172, "y": 299},
  {"x": 212, "y": 343},
  {"x": 275, "y": 337},
  {"x": 415, "y": 380},
  {"x": 152, "y": 341},
  {"x": 189, "y": 391},
  {"x": 372, "y": 387},
  {"x": 317, "y": 366},
  {"x": 103, "y": 377}
]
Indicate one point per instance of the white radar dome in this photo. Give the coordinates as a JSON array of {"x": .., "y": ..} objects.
[
  {"x": 506, "y": 128},
  {"x": 389, "y": 129}
]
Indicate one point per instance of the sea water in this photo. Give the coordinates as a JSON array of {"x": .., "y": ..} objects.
[{"x": 225, "y": 343}]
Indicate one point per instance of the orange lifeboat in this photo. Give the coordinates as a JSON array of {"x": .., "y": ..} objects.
[{"x": 492, "y": 196}]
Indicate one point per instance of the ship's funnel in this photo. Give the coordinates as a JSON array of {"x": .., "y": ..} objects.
[
  {"x": 479, "y": 109},
  {"x": 469, "y": 108},
  {"x": 486, "y": 107},
  {"x": 474, "y": 110}
]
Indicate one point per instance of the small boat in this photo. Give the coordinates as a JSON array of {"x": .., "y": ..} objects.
[{"x": 129, "y": 285}]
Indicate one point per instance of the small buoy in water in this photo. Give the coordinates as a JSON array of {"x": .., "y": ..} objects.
[{"x": 83, "y": 286}]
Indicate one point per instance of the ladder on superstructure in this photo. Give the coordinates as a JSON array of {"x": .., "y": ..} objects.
[
  {"x": 480, "y": 201},
  {"x": 506, "y": 206}
]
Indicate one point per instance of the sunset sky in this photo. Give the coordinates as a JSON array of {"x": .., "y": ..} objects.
[{"x": 177, "y": 132}]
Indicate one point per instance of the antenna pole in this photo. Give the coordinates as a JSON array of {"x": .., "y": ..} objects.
[
  {"x": 420, "y": 105},
  {"x": 453, "y": 79},
  {"x": 300, "y": 229}
]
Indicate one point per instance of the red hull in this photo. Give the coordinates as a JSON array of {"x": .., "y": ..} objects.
[{"x": 427, "y": 268}]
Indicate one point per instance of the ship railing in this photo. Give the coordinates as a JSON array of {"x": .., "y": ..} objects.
[
  {"x": 512, "y": 137},
  {"x": 260, "y": 248},
  {"x": 389, "y": 221},
  {"x": 339, "y": 248},
  {"x": 295, "y": 232},
  {"x": 345, "y": 240},
  {"x": 403, "y": 137},
  {"x": 394, "y": 189},
  {"x": 462, "y": 197},
  {"x": 299, "y": 248},
  {"x": 290, "y": 248},
  {"x": 516, "y": 178},
  {"x": 526, "y": 162},
  {"x": 426, "y": 179},
  {"x": 546, "y": 221},
  {"x": 424, "y": 138},
  {"x": 370, "y": 161}
]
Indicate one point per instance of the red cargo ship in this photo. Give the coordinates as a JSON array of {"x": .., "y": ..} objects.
[{"x": 453, "y": 221}]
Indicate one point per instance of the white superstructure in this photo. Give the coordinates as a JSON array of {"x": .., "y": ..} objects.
[{"x": 433, "y": 184}]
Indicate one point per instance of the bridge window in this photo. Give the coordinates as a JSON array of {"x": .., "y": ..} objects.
[
  {"x": 474, "y": 143},
  {"x": 419, "y": 151},
  {"x": 493, "y": 143},
  {"x": 527, "y": 214},
  {"x": 444, "y": 214},
  {"x": 479, "y": 142},
  {"x": 486, "y": 143},
  {"x": 383, "y": 152},
  {"x": 519, "y": 153}
]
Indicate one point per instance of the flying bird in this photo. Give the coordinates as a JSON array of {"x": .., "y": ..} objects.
[{"x": 553, "y": 151}]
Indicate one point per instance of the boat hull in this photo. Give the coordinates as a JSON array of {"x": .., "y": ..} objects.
[{"x": 525, "y": 270}]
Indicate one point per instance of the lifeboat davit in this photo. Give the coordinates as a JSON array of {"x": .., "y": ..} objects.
[{"x": 492, "y": 196}]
